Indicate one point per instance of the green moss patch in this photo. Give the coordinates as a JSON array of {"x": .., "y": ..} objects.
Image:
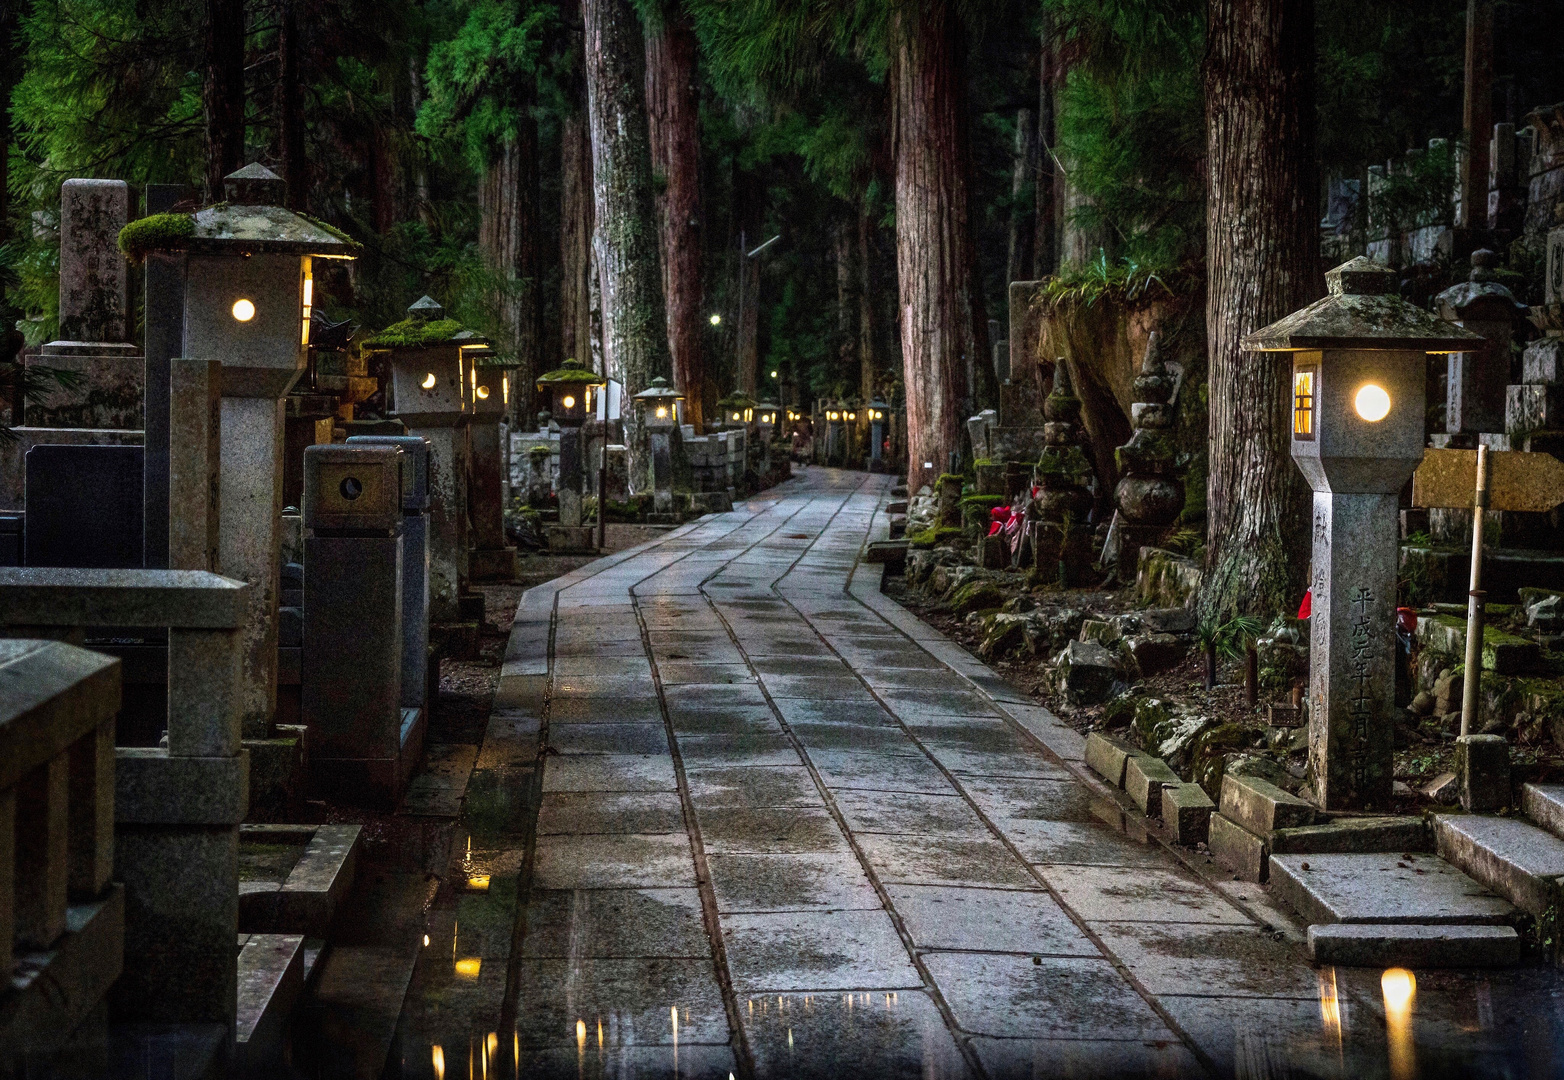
[
  {"x": 415, "y": 334},
  {"x": 157, "y": 232}
]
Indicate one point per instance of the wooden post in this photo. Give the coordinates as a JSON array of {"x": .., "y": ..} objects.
[{"x": 1474, "y": 602}]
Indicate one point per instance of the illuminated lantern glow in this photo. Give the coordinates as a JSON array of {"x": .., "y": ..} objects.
[
  {"x": 429, "y": 381},
  {"x": 568, "y": 401},
  {"x": 244, "y": 310},
  {"x": 1372, "y": 402},
  {"x": 1303, "y": 401},
  {"x": 483, "y": 393},
  {"x": 662, "y": 412}
]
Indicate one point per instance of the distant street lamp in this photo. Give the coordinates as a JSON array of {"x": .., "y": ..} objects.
[{"x": 716, "y": 320}]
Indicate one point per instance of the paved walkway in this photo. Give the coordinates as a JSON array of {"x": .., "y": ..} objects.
[{"x": 783, "y": 829}]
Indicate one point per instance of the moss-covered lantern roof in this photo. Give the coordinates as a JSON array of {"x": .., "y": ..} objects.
[
  {"x": 571, "y": 373},
  {"x": 1362, "y": 311},
  {"x": 250, "y": 220},
  {"x": 736, "y": 400},
  {"x": 659, "y": 390},
  {"x": 425, "y": 327}
]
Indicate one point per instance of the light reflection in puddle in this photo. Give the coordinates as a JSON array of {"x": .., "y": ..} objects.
[{"x": 1399, "y": 987}]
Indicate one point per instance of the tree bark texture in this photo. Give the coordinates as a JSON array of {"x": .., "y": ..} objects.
[
  {"x": 508, "y": 240},
  {"x": 635, "y": 327},
  {"x": 868, "y": 375},
  {"x": 1045, "y": 241},
  {"x": 575, "y": 238},
  {"x": 290, "y": 108},
  {"x": 1022, "y": 175},
  {"x": 944, "y": 329},
  {"x": 750, "y": 193},
  {"x": 673, "y": 116},
  {"x": 842, "y": 243},
  {"x": 222, "y": 95},
  {"x": 1261, "y": 245}
]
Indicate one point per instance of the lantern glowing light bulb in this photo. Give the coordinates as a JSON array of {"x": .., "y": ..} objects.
[
  {"x": 243, "y": 310},
  {"x": 568, "y": 401},
  {"x": 662, "y": 412},
  {"x": 1372, "y": 402},
  {"x": 483, "y": 393},
  {"x": 428, "y": 383}
]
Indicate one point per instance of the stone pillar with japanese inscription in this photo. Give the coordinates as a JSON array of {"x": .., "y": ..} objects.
[{"x": 1352, "y": 649}]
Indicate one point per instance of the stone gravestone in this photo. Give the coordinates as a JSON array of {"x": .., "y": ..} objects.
[
  {"x": 84, "y": 506},
  {"x": 163, "y": 324},
  {"x": 94, "y": 315}
]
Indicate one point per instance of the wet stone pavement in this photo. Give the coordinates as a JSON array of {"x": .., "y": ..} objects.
[{"x": 737, "y": 814}]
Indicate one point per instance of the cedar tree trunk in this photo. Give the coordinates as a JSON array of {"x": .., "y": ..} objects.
[
  {"x": 1262, "y": 256},
  {"x": 1022, "y": 174},
  {"x": 751, "y": 198},
  {"x": 867, "y": 373},
  {"x": 673, "y": 117},
  {"x": 222, "y": 94},
  {"x": 1045, "y": 242},
  {"x": 290, "y": 108},
  {"x": 575, "y": 237},
  {"x": 507, "y": 237},
  {"x": 635, "y": 327},
  {"x": 944, "y": 330}
]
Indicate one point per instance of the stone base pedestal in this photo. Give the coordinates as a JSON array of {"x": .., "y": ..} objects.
[
  {"x": 1482, "y": 765},
  {"x": 1131, "y": 539},
  {"x": 569, "y": 539},
  {"x": 1061, "y": 550},
  {"x": 495, "y": 564},
  {"x": 108, "y": 395}
]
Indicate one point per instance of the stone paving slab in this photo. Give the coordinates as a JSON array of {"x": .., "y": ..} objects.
[{"x": 908, "y": 870}]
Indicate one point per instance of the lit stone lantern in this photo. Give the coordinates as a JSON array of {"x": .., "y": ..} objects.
[
  {"x": 248, "y": 294},
  {"x": 432, "y": 360},
  {"x": 736, "y": 411},
  {"x": 1358, "y": 398},
  {"x": 767, "y": 413},
  {"x": 571, "y": 391},
  {"x": 877, "y": 418},
  {"x": 659, "y": 406},
  {"x": 835, "y": 433},
  {"x": 490, "y": 378}
]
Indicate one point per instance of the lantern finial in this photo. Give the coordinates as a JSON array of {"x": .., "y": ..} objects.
[
  {"x": 255, "y": 185},
  {"x": 426, "y": 309}
]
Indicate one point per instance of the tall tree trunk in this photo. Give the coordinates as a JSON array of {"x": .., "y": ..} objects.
[
  {"x": 575, "y": 238},
  {"x": 1022, "y": 175},
  {"x": 508, "y": 239},
  {"x": 1045, "y": 242},
  {"x": 1261, "y": 251},
  {"x": 673, "y": 115},
  {"x": 635, "y": 327},
  {"x": 415, "y": 101},
  {"x": 867, "y": 373},
  {"x": 751, "y": 195},
  {"x": 223, "y": 92},
  {"x": 842, "y": 241},
  {"x": 944, "y": 329},
  {"x": 290, "y": 108}
]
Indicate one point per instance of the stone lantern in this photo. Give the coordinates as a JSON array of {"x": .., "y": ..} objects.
[
  {"x": 877, "y": 422},
  {"x": 736, "y": 411},
  {"x": 1479, "y": 380},
  {"x": 490, "y": 379},
  {"x": 659, "y": 406},
  {"x": 570, "y": 389},
  {"x": 835, "y": 433},
  {"x": 1359, "y": 360},
  {"x": 767, "y": 416},
  {"x": 432, "y": 358},
  {"x": 248, "y": 273}
]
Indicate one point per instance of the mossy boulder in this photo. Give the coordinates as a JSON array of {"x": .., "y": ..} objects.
[
  {"x": 976, "y": 596},
  {"x": 1164, "y": 579},
  {"x": 1208, "y": 754}
]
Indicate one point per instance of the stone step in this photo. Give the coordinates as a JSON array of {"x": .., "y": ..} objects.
[
  {"x": 1544, "y": 804},
  {"x": 1262, "y": 807},
  {"x": 1512, "y": 857},
  {"x": 1248, "y": 853},
  {"x": 306, "y": 900},
  {"x": 1384, "y": 888},
  {"x": 1106, "y": 756},
  {"x": 1186, "y": 811},
  {"x": 1414, "y": 946},
  {"x": 271, "y": 978},
  {"x": 1144, "y": 778}
]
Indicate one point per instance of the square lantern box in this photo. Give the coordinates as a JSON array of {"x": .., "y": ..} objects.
[
  {"x": 432, "y": 394},
  {"x": 1357, "y": 405},
  {"x": 248, "y": 271},
  {"x": 658, "y": 406}
]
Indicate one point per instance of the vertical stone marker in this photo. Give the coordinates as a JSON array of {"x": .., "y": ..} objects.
[
  {"x": 1358, "y": 400},
  {"x": 94, "y": 315},
  {"x": 248, "y": 294}
]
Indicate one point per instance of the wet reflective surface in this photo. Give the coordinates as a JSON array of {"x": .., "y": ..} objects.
[{"x": 778, "y": 834}]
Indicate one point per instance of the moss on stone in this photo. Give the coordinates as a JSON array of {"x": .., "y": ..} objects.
[
  {"x": 156, "y": 232},
  {"x": 414, "y": 334},
  {"x": 976, "y": 596}
]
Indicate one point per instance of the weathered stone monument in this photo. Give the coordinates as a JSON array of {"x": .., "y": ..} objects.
[
  {"x": 1061, "y": 539},
  {"x": 1358, "y": 377},
  {"x": 1478, "y": 380},
  {"x": 492, "y": 559},
  {"x": 430, "y": 376},
  {"x": 94, "y": 341},
  {"x": 1150, "y": 495},
  {"x": 248, "y": 295}
]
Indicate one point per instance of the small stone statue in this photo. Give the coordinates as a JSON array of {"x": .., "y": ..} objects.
[
  {"x": 1150, "y": 496},
  {"x": 1061, "y": 538}
]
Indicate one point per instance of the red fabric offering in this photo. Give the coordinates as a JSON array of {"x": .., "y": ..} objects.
[{"x": 1305, "y": 608}]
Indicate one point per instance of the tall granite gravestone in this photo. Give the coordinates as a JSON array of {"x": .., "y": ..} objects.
[
  {"x": 1478, "y": 380},
  {"x": 247, "y": 299},
  {"x": 162, "y": 316},
  {"x": 1359, "y": 359},
  {"x": 94, "y": 315}
]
